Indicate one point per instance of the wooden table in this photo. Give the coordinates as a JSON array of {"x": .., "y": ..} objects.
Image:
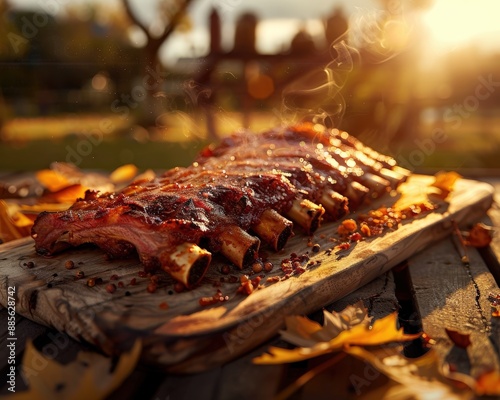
[{"x": 432, "y": 290}]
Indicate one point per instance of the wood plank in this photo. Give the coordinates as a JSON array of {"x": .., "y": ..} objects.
[
  {"x": 186, "y": 337},
  {"x": 454, "y": 296}
]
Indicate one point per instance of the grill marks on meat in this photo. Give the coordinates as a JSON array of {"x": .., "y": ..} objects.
[{"x": 248, "y": 187}]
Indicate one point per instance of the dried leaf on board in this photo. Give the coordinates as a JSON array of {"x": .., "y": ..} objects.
[
  {"x": 488, "y": 384},
  {"x": 90, "y": 376},
  {"x": 415, "y": 378},
  {"x": 349, "y": 328},
  {"x": 445, "y": 182},
  {"x": 480, "y": 235}
]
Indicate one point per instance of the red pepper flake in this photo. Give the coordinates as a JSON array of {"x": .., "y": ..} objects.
[
  {"x": 163, "y": 305},
  {"x": 355, "y": 237},
  {"x": 344, "y": 246},
  {"x": 273, "y": 279},
  {"x": 179, "y": 287},
  {"x": 120, "y": 284},
  {"x": 142, "y": 274},
  {"x": 154, "y": 278},
  {"x": 246, "y": 288},
  {"x": 233, "y": 279},
  {"x": 225, "y": 269},
  {"x": 110, "y": 288},
  {"x": 152, "y": 287},
  {"x": 113, "y": 277},
  {"x": 218, "y": 297},
  {"x": 299, "y": 270},
  {"x": 133, "y": 282}
]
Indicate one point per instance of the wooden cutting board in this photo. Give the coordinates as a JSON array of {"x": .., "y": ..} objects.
[{"x": 179, "y": 334}]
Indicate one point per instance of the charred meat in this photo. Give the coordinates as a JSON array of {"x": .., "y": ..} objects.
[{"x": 247, "y": 189}]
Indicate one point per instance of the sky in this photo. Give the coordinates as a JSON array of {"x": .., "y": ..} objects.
[{"x": 448, "y": 23}]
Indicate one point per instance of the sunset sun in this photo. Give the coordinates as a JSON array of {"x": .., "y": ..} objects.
[{"x": 451, "y": 23}]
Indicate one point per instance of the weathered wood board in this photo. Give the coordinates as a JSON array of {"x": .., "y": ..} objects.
[{"x": 186, "y": 337}]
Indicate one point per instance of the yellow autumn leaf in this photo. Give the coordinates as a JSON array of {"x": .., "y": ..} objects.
[
  {"x": 123, "y": 173},
  {"x": 88, "y": 377},
  {"x": 445, "y": 181},
  {"x": 13, "y": 224},
  {"x": 382, "y": 331},
  {"x": 415, "y": 378},
  {"x": 52, "y": 180},
  {"x": 488, "y": 384},
  {"x": 68, "y": 194}
]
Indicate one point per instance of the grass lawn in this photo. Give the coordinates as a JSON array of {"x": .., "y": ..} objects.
[{"x": 35, "y": 144}]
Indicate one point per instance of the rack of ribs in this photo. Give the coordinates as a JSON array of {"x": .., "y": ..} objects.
[{"x": 248, "y": 189}]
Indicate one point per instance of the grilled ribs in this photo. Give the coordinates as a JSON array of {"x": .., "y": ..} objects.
[{"x": 248, "y": 188}]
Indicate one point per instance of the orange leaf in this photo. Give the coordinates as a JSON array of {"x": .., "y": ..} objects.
[
  {"x": 124, "y": 173},
  {"x": 445, "y": 181},
  {"x": 8, "y": 228},
  {"x": 480, "y": 235},
  {"x": 68, "y": 194},
  {"x": 52, "y": 180},
  {"x": 381, "y": 332},
  {"x": 488, "y": 384}
]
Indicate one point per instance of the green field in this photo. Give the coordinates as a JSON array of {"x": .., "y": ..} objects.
[{"x": 35, "y": 145}]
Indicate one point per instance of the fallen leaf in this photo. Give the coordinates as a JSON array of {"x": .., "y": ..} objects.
[
  {"x": 382, "y": 331},
  {"x": 461, "y": 340},
  {"x": 90, "y": 376},
  {"x": 301, "y": 331},
  {"x": 488, "y": 384},
  {"x": 480, "y": 235},
  {"x": 52, "y": 180},
  {"x": 13, "y": 224},
  {"x": 68, "y": 194},
  {"x": 417, "y": 378},
  {"x": 445, "y": 182},
  {"x": 124, "y": 173}
]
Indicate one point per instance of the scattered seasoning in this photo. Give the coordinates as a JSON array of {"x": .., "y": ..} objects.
[
  {"x": 79, "y": 274},
  {"x": 133, "y": 282},
  {"x": 316, "y": 247},
  {"x": 110, "y": 288},
  {"x": 154, "y": 278},
  {"x": 495, "y": 304},
  {"x": 257, "y": 267},
  {"x": 127, "y": 293},
  {"x": 113, "y": 277},
  {"x": 218, "y": 297},
  {"x": 268, "y": 266},
  {"x": 233, "y": 279},
  {"x": 343, "y": 246},
  {"x": 179, "y": 287},
  {"x": 225, "y": 269},
  {"x": 163, "y": 305},
  {"x": 142, "y": 274},
  {"x": 121, "y": 284},
  {"x": 30, "y": 264},
  {"x": 91, "y": 282},
  {"x": 152, "y": 287},
  {"x": 69, "y": 264},
  {"x": 355, "y": 237}
]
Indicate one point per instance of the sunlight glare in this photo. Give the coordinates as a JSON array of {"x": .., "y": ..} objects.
[{"x": 454, "y": 23}]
